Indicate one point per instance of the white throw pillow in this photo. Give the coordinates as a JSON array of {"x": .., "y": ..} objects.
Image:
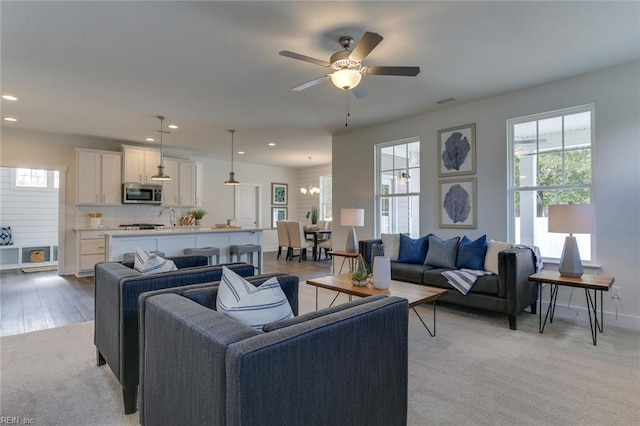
[
  {"x": 251, "y": 305},
  {"x": 491, "y": 258},
  {"x": 149, "y": 263},
  {"x": 391, "y": 243}
]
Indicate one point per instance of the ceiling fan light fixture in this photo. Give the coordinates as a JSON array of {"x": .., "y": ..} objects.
[{"x": 346, "y": 79}]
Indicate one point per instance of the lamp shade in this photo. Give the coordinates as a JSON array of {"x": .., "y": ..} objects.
[
  {"x": 346, "y": 79},
  {"x": 572, "y": 218},
  {"x": 352, "y": 217}
]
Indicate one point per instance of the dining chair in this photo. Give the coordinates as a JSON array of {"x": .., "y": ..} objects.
[
  {"x": 297, "y": 240},
  {"x": 283, "y": 238}
]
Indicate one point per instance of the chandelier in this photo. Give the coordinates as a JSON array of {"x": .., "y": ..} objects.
[{"x": 311, "y": 190}]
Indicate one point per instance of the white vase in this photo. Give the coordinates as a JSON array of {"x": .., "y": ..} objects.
[
  {"x": 94, "y": 222},
  {"x": 381, "y": 272}
]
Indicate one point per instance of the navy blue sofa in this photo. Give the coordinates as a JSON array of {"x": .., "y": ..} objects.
[
  {"x": 117, "y": 287},
  {"x": 343, "y": 365}
]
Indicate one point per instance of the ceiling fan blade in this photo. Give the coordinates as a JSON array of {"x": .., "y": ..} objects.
[
  {"x": 402, "y": 71},
  {"x": 300, "y": 57},
  {"x": 310, "y": 83},
  {"x": 367, "y": 43},
  {"x": 360, "y": 92}
]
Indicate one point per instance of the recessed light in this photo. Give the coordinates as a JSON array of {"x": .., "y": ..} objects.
[
  {"x": 10, "y": 119},
  {"x": 9, "y": 98},
  {"x": 172, "y": 126},
  {"x": 271, "y": 144},
  {"x": 240, "y": 152},
  {"x": 150, "y": 139}
]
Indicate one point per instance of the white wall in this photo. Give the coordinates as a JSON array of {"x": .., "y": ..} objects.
[
  {"x": 32, "y": 213},
  {"x": 616, "y": 151},
  {"x": 307, "y": 175},
  {"x": 56, "y": 151}
]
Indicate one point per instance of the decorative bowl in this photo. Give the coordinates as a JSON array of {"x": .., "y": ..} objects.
[{"x": 221, "y": 225}]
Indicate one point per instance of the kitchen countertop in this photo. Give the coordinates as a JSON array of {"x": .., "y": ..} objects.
[{"x": 179, "y": 230}]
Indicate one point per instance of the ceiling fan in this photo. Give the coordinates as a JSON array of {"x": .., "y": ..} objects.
[{"x": 347, "y": 65}]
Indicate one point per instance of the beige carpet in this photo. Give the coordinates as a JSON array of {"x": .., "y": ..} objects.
[{"x": 474, "y": 372}]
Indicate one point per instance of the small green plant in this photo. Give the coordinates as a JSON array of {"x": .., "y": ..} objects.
[
  {"x": 361, "y": 274},
  {"x": 314, "y": 215},
  {"x": 198, "y": 214}
]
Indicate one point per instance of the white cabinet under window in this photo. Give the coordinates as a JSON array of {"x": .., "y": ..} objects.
[
  {"x": 139, "y": 164},
  {"x": 98, "y": 177},
  {"x": 183, "y": 189}
]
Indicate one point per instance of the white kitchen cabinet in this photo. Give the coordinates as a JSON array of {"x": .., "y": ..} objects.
[
  {"x": 91, "y": 250},
  {"x": 182, "y": 189},
  {"x": 187, "y": 183},
  {"x": 139, "y": 164},
  {"x": 170, "y": 188},
  {"x": 98, "y": 177},
  {"x": 199, "y": 181}
]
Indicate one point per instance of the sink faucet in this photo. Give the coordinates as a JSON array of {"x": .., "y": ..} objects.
[{"x": 172, "y": 216}]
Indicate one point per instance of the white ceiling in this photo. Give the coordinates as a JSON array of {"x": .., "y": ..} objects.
[{"x": 106, "y": 69}]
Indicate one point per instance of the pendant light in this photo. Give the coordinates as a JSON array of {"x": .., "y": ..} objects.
[
  {"x": 312, "y": 190},
  {"x": 232, "y": 180},
  {"x": 161, "y": 175}
]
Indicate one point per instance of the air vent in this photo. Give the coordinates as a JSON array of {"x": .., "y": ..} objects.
[{"x": 444, "y": 101}]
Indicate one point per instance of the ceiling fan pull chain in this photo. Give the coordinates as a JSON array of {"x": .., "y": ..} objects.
[{"x": 347, "y": 113}]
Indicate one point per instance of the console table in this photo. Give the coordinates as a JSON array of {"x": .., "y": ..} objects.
[{"x": 597, "y": 283}]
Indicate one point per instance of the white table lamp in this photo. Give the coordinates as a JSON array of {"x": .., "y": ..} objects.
[
  {"x": 571, "y": 219},
  {"x": 352, "y": 218}
]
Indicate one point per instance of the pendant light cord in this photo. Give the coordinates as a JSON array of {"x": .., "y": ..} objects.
[{"x": 232, "y": 132}]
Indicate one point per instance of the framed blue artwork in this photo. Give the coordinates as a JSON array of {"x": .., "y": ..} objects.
[{"x": 457, "y": 151}]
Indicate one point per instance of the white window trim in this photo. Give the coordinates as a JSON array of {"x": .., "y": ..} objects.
[
  {"x": 50, "y": 180},
  {"x": 377, "y": 195},
  {"x": 511, "y": 190}
]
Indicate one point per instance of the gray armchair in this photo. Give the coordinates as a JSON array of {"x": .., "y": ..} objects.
[
  {"x": 117, "y": 287},
  {"x": 342, "y": 365}
]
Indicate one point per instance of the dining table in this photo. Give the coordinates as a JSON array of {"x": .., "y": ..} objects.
[{"x": 316, "y": 233}]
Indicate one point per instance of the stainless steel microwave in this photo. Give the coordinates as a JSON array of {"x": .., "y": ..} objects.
[{"x": 137, "y": 193}]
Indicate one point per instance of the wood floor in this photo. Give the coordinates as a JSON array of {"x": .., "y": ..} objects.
[{"x": 41, "y": 300}]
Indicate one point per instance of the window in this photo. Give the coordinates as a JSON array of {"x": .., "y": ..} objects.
[
  {"x": 36, "y": 179},
  {"x": 326, "y": 198},
  {"x": 398, "y": 187},
  {"x": 550, "y": 164}
]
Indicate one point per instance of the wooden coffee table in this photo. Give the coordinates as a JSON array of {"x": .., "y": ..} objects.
[{"x": 414, "y": 293}]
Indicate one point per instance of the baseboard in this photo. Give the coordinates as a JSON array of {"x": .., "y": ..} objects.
[{"x": 611, "y": 319}]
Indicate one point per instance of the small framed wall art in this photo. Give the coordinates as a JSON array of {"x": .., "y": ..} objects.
[
  {"x": 457, "y": 151},
  {"x": 279, "y": 194},
  {"x": 458, "y": 203},
  {"x": 278, "y": 213}
]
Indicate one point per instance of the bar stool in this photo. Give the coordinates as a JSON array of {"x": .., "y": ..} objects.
[
  {"x": 132, "y": 256},
  {"x": 205, "y": 251},
  {"x": 250, "y": 249}
]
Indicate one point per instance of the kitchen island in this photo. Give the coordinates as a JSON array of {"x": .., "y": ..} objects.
[{"x": 173, "y": 241}]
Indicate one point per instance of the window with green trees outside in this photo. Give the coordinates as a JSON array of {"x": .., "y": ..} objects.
[{"x": 550, "y": 163}]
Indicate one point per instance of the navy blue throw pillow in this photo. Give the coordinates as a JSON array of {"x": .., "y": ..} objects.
[
  {"x": 413, "y": 251},
  {"x": 471, "y": 254}
]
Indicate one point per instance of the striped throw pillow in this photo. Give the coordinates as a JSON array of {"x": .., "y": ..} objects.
[
  {"x": 251, "y": 305},
  {"x": 148, "y": 263}
]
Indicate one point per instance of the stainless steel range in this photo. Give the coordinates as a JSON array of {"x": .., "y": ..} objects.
[{"x": 141, "y": 226}]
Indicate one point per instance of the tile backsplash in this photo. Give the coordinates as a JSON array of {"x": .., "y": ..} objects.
[{"x": 114, "y": 216}]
